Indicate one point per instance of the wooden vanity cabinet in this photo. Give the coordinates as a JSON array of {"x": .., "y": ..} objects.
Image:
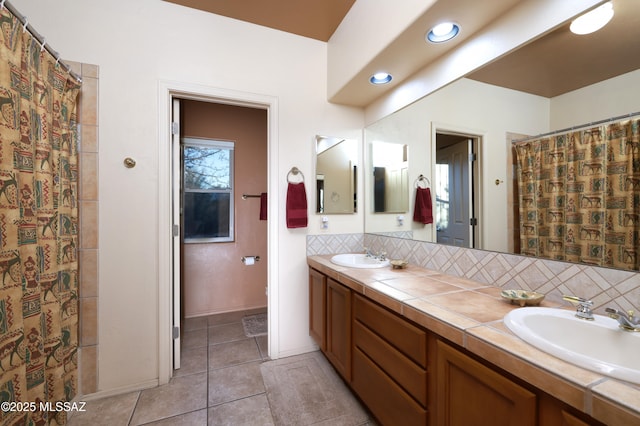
[
  {"x": 318, "y": 308},
  {"x": 380, "y": 355},
  {"x": 406, "y": 375}
]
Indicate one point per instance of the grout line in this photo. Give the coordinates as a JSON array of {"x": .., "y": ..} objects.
[
  {"x": 173, "y": 417},
  {"x": 134, "y": 408}
]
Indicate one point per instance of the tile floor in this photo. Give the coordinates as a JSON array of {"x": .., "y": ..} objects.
[{"x": 219, "y": 383}]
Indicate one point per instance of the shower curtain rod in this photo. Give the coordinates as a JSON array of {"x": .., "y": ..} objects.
[
  {"x": 593, "y": 123},
  {"x": 40, "y": 39}
]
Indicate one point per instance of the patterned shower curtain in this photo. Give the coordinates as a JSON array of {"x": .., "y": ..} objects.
[
  {"x": 38, "y": 229},
  {"x": 580, "y": 195}
]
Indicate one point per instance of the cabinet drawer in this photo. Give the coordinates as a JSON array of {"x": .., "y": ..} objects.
[
  {"x": 407, "y": 338},
  {"x": 388, "y": 402},
  {"x": 405, "y": 372}
]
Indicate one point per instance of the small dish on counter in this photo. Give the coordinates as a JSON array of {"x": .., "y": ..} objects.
[
  {"x": 522, "y": 297},
  {"x": 399, "y": 264}
]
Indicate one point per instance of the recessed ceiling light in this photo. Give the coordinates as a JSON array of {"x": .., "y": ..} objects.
[
  {"x": 443, "y": 32},
  {"x": 380, "y": 78},
  {"x": 592, "y": 21}
]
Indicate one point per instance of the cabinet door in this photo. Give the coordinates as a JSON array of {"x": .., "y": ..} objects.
[
  {"x": 318, "y": 308},
  {"x": 470, "y": 393},
  {"x": 339, "y": 327},
  {"x": 552, "y": 412}
]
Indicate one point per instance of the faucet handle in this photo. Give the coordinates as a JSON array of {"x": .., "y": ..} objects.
[
  {"x": 583, "y": 306},
  {"x": 577, "y": 300}
]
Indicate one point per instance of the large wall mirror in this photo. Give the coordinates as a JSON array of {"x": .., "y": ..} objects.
[
  {"x": 560, "y": 80},
  {"x": 336, "y": 175}
]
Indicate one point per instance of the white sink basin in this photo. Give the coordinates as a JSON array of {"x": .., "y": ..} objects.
[
  {"x": 358, "y": 260},
  {"x": 597, "y": 345}
]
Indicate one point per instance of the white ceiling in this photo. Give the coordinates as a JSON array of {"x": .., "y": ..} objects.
[{"x": 551, "y": 65}]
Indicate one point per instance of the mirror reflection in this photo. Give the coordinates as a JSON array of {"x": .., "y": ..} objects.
[
  {"x": 495, "y": 107},
  {"x": 336, "y": 173},
  {"x": 389, "y": 166}
]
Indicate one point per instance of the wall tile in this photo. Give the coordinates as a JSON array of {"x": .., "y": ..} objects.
[
  {"x": 88, "y": 138},
  {"x": 88, "y": 176},
  {"x": 334, "y": 243},
  {"x": 88, "y": 272},
  {"x": 88, "y": 245},
  {"x": 88, "y": 369},
  {"x": 89, "y": 102},
  {"x": 604, "y": 286},
  {"x": 89, "y": 323},
  {"x": 89, "y": 70}
]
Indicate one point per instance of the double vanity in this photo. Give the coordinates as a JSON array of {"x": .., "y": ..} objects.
[{"x": 419, "y": 347}]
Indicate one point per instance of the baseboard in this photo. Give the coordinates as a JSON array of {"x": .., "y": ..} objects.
[
  {"x": 224, "y": 311},
  {"x": 119, "y": 391},
  {"x": 296, "y": 351}
]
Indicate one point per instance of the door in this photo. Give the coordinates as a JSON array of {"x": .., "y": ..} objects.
[
  {"x": 453, "y": 195},
  {"x": 176, "y": 243},
  {"x": 338, "y": 338},
  {"x": 470, "y": 393},
  {"x": 318, "y": 308}
]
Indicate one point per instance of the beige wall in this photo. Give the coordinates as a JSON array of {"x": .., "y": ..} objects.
[{"x": 214, "y": 278}]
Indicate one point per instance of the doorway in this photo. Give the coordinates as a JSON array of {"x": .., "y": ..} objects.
[
  {"x": 169, "y": 297},
  {"x": 221, "y": 174},
  {"x": 456, "y": 187}
]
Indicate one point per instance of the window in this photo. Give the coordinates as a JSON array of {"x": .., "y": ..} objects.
[{"x": 207, "y": 182}]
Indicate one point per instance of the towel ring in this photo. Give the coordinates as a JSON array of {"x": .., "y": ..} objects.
[
  {"x": 422, "y": 179},
  {"x": 294, "y": 171}
]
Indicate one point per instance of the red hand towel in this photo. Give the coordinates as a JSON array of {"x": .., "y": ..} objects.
[
  {"x": 263, "y": 206},
  {"x": 296, "y": 206},
  {"x": 423, "y": 208}
]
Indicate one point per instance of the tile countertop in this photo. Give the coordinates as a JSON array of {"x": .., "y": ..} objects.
[{"x": 470, "y": 314}]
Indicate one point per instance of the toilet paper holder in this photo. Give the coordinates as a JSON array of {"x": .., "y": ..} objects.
[{"x": 249, "y": 260}]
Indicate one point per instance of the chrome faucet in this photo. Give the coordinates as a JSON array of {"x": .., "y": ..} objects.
[
  {"x": 380, "y": 256},
  {"x": 628, "y": 321},
  {"x": 583, "y": 307}
]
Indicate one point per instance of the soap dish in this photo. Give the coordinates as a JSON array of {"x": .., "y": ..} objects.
[
  {"x": 522, "y": 297},
  {"x": 399, "y": 264}
]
